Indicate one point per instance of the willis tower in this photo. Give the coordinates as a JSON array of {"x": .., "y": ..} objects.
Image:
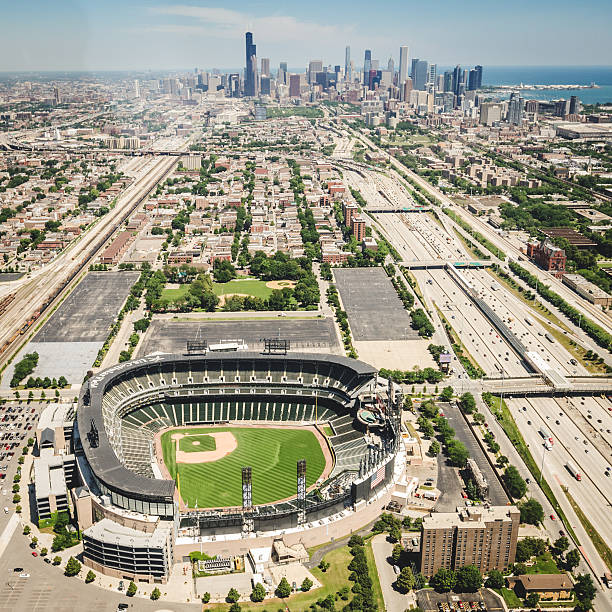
[{"x": 250, "y": 72}]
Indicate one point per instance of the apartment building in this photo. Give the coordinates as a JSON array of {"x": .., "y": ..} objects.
[{"x": 483, "y": 536}]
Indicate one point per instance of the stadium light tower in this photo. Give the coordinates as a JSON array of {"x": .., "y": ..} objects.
[
  {"x": 301, "y": 491},
  {"x": 248, "y": 523}
]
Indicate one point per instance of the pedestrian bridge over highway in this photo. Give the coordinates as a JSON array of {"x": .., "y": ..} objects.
[
  {"x": 522, "y": 387},
  {"x": 428, "y": 264}
]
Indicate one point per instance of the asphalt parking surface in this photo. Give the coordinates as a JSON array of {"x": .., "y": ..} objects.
[
  {"x": 88, "y": 312},
  {"x": 170, "y": 336},
  {"x": 374, "y": 309},
  {"x": 428, "y": 599},
  {"x": 497, "y": 495}
]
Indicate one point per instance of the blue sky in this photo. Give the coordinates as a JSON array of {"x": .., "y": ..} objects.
[{"x": 162, "y": 34}]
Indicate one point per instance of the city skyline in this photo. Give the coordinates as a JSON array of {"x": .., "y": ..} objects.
[{"x": 172, "y": 35}]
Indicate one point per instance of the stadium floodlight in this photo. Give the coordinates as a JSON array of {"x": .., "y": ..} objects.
[{"x": 276, "y": 346}]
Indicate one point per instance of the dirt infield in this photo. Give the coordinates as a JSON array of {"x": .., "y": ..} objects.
[
  {"x": 225, "y": 441},
  {"x": 283, "y": 284}
]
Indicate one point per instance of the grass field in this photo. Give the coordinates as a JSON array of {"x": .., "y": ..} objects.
[
  {"x": 247, "y": 286},
  {"x": 271, "y": 452},
  {"x": 197, "y": 444}
]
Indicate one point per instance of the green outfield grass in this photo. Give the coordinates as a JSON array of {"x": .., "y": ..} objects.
[
  {"x": 271, "y": 453},
  {"x": 197, "y": 444},
  {"x": 247, "y": 286}
]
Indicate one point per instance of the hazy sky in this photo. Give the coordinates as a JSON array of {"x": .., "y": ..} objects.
[{"x": 148, "y": 34}]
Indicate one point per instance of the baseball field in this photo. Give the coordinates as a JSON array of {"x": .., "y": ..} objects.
[{"x": 209, "y": 461}]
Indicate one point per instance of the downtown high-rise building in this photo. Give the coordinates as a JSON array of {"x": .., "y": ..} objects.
[
  {"x": 282, "y": 73},
  {"x": 347, "y": 64},
  {"x": 457, "y": 80},
  {"x": 403, "y": 65},
  {"x": 516, "y": 106},
  {"x": 314, "y": 67},
  {"x": 265, "y": 66},
  {"x": 431, "y": 75},
  {"x": 475, "y": 78},
  {"x": 419, "y": 73},
  {"x": 250, "y": 71},
  {"x": 367, "y": 66}
]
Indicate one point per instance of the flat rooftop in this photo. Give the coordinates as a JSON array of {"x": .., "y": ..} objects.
[{"x": 109, "y": 532}]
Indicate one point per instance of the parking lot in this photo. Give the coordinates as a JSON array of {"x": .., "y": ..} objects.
[
  {"x": 89, "y": 311},
  {"x": 168, "y": 336},
  {"x": 484, "y": 600},
  {"x": 17, "y": 424},
  {"x": 374, "y": 310}
]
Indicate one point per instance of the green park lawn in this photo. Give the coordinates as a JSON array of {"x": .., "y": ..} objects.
[{"x": 246, "y": 286}]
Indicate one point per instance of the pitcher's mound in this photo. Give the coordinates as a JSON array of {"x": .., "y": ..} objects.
[{"x": 225, "y": 441}]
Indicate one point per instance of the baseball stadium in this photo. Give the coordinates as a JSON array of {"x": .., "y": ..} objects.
[{"x": 235, "y": 444}]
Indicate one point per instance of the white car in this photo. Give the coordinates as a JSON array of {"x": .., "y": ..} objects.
[{"x": 24, "y": 575}]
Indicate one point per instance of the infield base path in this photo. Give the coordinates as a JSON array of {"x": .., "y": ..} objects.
[{"x": 225, "y": 441}]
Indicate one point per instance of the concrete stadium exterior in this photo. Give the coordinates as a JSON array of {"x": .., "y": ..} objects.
[{"x": 121, "y": 410}]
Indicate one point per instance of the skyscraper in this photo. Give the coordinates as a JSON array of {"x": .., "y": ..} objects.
[
  {"x": 419, "y": 74},
  {"x": 475, "y": 78},
  {"x": 347, "y": 64},
  {"x": 515, "y": 109},
  {"x": 403, "y": 65},
  {"x": 367, "y": 66},
  {"x": 265, "y": 66},
  {"x": 448, "y": 81},
  {"x": 391, "y": 66},
  {"x": 282, "y": 73},
  {"x": 294, "y": 85},
  {"x": 457, "y": 79},
  {"x": 250, "y": 72},
  {"x": 313, "y": 67},
  {"x": 431, "y": 75}
]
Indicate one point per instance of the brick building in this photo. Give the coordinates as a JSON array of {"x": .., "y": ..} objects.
[
  {"x": 481, "y": 536},
  {"x": 547, "y": 256}
]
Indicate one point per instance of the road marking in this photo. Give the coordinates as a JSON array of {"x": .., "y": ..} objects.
[{"x": 8, "y": 532}]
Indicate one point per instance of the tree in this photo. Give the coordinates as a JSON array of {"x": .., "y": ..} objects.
[
  {"x": 447, "y": 394},
  {"x": 532, "y": 512},
  {"x": 443, "y": 580},
  {"x": 427, "y": 428},
  {"x": 206, "y": 597},
  {"x": 561, "y": 545},
  {"x": 306, "y": 584},
  {"x": 73, "y": 567},
  {"x": 155, "y": 594},
  {"x": 34, "y": 540},
  {"x": 395, "y": 534},
  {"x": 396, "y": 554},
  {"x": 57, "y": 560},
  {"x": 405, "y": 580},
  {"x": 479, "y": 418},
  {"x": 232, "y": 596},
  {"x": 583, "y": 606},
  {"x": 283, "y": 589},
  {"x": 514, "y": 482},
  {"x": 27, "y": 530},
  {"x": 495, "y": 580},
  {"x": 457, "y": 453},
  {"x": 434, "y": 448},
  {"x": 44, "y": 552},
  {"x": 467, "y": 403},
  {"x": 131, "y": 590},
  {"x": 90, "y": 577},
  {"x": 572, "y": 560},
  {"x": 235, "y": 607},
  {"x": 584, "y": 587},
  {"x": 531, "y": 601},
  {"x": 258, "y": 593},
  {"x": 469, "y": 579},
  {"x": 324, "y": 565},
  {"x": 223, "y": 271}
]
